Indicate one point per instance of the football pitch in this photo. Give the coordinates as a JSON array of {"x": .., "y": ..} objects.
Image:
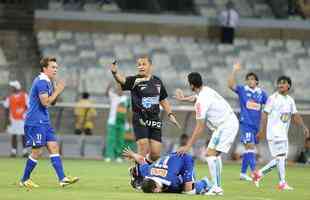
[{"x": 105, "y": 181}]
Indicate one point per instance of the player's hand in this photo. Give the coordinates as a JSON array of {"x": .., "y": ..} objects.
[
  {"x": 114, "y": 67},
  {"x": 59, "y": 86},
  {"x": 306, "y": 132},
  {"x": 183, "y": 150},
  {"x": 237, "y": 66},
  {"x": 173, "y": 119},
  {"x": 128, "y": 153},
  {"x": 179, "y": 94}
]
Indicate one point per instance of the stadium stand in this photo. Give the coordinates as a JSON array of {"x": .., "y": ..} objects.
[{"x": 90, "y": 53}]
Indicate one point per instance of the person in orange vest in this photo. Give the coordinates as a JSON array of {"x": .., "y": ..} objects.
[{"x": 17, "y": 103}]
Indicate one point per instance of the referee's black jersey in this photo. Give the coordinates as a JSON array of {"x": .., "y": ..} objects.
[{"x": 145, "y": 94}]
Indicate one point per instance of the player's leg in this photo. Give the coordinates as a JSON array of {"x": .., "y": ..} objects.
[
  {"x": 31, "y": 163},
  {"x": 202, "y": 186},
  {"x": 220, "y": 142},
  {"x": 142, "y": 139},
  {"x": 155, "y": 144},
  {"x": 143, "y": 146},
  {"x": 258, "y": 175},
  {"x": 13, "y": 145},
  {"x": 25, "y": 152},
  {"x": 191, "y": 186},
  {"x": 53, "y": 149},
  {"x": 36, "y": 139},
  {"x": 110, "y": 143},
  {"x": 248, "y": 159},
  {"x": 155, "y": 150},
  {"x": 248, "y": 139},
  {"x": 281, "y": 161},
  {"x": 214, "y": 166}
]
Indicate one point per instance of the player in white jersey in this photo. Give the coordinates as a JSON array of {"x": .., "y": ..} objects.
[
  {"x": 214, "y": 111},
  {"x": 278, "y": 112}
]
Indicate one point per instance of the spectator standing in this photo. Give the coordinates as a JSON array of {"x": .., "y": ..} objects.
[
  {"x": 84, "y": 119},
  {"x": 17, "y": 103},
  {"x": 119, "y": 107},
  {"x": 229, "y": 20}
]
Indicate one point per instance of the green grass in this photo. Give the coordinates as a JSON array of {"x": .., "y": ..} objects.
[{"x": 104, "y": 181}]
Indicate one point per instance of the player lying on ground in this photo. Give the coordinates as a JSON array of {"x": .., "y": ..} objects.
[{"x": 171, "y": 173}]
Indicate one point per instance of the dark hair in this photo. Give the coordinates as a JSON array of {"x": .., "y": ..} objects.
[
  {"x": 308, "y": 139},
  {"x": 285, "y": 78},
  {"x": 85, "y": 95},
  {"x": 45, "y": 60},
  {"x": 230, "y": 5},
  {"x": 146, "y": 57},
  {"x": 194, "y": 78},
  {"x": 251, "y": 74},
  {"x": 184, "y": 136},
  {"x": 148, "y": 185}
]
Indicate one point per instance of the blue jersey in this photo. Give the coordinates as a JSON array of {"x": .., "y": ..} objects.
[
  {"x": 251, "y": 104},
  {"x": 37, "y": 113},
  {"x": 171, "y": 170}
]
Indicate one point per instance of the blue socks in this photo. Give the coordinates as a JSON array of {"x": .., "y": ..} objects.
[
  {"x": 202, "y": 185},
  {"x": 248, "y": 159},
  {"x": 57, "y": 164},
  {"x": 30, "y": 165}
]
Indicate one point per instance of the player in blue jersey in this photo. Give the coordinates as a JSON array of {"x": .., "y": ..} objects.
[
  {"x": 251, "y": 100},
  {"x": 172, "y": 173},
  {"x": 38, "y": 130}
]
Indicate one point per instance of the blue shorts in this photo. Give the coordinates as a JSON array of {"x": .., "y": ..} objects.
[
  {"x": 38, "y": 136},
  {"x": 248, "y": 134}
]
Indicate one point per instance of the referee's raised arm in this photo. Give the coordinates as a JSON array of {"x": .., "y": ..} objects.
[{"x": 116, "y": 75}]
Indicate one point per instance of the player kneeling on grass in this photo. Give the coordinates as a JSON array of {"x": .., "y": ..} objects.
[
  {"x": 171, "y": 174},
  {"x": 279, "y": 110}
]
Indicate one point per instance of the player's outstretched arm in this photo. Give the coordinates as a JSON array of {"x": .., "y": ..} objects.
[
  {"x": 232, "y": 83},
  {"x": 179, "y": 95},
  {"x": 297, "y": 119},
  {"x": 116, "y": 75},
  {"x": 128, "y": 153}
]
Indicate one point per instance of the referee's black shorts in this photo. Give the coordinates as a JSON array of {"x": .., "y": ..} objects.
[{"x": 143, "y": 132}]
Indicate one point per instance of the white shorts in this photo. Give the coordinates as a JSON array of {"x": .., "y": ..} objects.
[
  {"x": 278, "y": 147},
  {"x": 223, "y": 137},
  {"x": 16, "y": 128}
]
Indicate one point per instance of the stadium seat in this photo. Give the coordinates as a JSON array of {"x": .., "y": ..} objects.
[
  {"x": 63, "y": 35},
  {"x": 94, "y": 50}
]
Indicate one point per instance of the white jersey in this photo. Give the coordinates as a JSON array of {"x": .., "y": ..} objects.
[
  {"x": 212, "y": 107},
  {"x": 280, "y": 109},
  {"x": 115, "y": 100}
]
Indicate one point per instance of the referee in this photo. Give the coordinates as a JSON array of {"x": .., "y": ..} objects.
[{"x": 147, "y": 93}]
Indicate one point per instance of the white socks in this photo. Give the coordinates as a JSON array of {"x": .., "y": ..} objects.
[
  {"x": 267, "y": 168},
  {"x": 281, "y": 168},
  {"x": 278, "y": 162},
  {"x": 215, "y": 168}
]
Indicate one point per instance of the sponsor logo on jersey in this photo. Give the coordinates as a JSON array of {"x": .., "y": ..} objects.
[
  {"x": 147, "y": 102},
  {"x": 252, "y": 105},
  {"x": 285, "y": 117}
]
